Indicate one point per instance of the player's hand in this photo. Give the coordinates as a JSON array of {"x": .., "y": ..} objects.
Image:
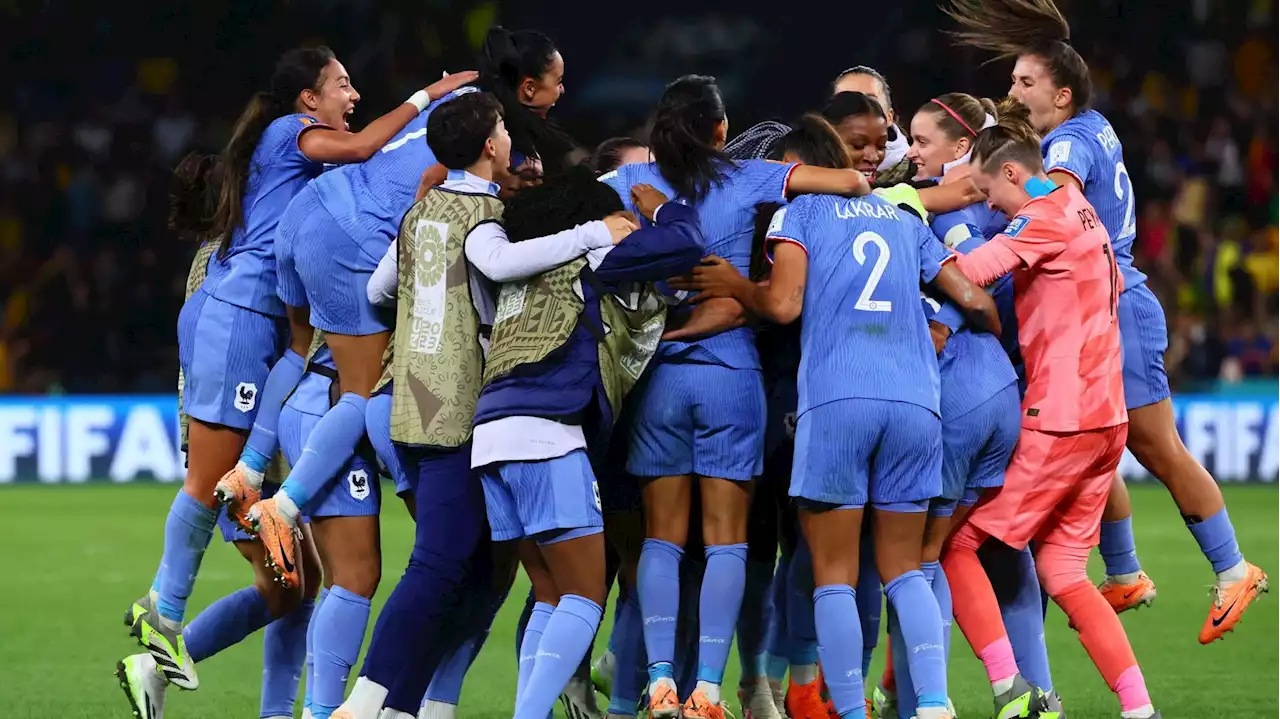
[
  {"x": 940, "y": 334},
  {"x": 709, "y": 318},
  {"x": 449, "y": 83},
  {"x": 620, "y": 225},
  {"x": 431, "y": 177},
  {"x": 647, "y": 199},
  {"x": 715, "y": 278}
]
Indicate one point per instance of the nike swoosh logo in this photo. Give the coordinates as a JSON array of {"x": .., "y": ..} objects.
[
  {"x": 1129, "y": 594},
  {"x": 1223, "y": 617},
  {"x": 284, "y": 557}
]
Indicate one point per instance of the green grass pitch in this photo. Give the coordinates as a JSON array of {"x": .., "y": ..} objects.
[{"x": 72, "y": 559}]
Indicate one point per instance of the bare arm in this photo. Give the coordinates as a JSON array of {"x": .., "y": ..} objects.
[
  {"x": 950, "y": 197},
  {"x": 978, "y": 305},
  {"x": 812, "y": 180},
  {"x": 1062, "y": 179},
  {"x": 332, "y": 145},
  {"x": 781, "y": 298}
]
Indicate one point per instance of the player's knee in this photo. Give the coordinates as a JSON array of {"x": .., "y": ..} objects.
[
  {"x": 1061, "y": 568},
  {"x": 280, "y": 600}
]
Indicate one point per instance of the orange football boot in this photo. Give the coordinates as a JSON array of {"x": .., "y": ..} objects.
[
  {"x": 697, "y": 706},
  {"x": 804, "y": 701},
  {"x": 1230, "y": 601},
  {"x": 236, "y": 494},
  {"x": 663, "y": 702},
  {"x": 280, "y": 538},
  {"x": 1123, "y": 597}
]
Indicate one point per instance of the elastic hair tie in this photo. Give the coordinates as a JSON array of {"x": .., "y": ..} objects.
[{"x": 953, "y": 114}]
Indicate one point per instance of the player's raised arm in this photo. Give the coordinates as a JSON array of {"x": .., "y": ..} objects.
[{"x": 340, "y": 146}]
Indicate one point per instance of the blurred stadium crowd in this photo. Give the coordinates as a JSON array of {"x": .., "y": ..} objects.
[{"x": 91, "y": 281}]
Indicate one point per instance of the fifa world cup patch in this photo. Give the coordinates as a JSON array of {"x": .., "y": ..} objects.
[
  {"x": 1018, "y": 224},
  {"x": 1059, "y": 153},
  {"x": 246, "y": 396},
  {"x": 358, "y": 484}
]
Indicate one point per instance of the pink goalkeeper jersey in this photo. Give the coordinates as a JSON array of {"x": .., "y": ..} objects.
[{"x": 1065, "y": 289}]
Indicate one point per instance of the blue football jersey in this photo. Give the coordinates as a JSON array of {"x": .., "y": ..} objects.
[
  {"x": 727, "y": 214},
  {"x": 976, "y": 219},
  {"x": 864, "y": 333},
  {"x": 1087, "y": 147},
  {"x": 246, "y": 275},
  {"x": 368, "y": 199}
]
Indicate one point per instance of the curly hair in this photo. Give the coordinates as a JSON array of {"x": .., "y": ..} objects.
[{"x": 562, "y": 202}]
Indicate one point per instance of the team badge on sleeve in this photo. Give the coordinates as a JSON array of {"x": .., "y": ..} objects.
[
  {"x": 1018, "y": 225},
  {"x": 1059, "y": 153}
]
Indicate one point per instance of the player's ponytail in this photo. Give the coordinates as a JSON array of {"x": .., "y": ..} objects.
[
  {"x": 297, "y": 70},
  {"x": 1011, "y": 139},
  {"x": 193, "y": 196},
  {"x": 683, "y": 134},
  {"x": 1011, "y": 28}
]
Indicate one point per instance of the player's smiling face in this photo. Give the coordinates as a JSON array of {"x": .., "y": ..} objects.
[
  {"x": 930, "y": 149},
  {"x": 866, "y": 136},
  {"x": 337, "y": 97},
  {"x": 541, "y": 93}
]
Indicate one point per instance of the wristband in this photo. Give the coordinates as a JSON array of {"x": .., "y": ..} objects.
[{"x": 419, "y": 99}]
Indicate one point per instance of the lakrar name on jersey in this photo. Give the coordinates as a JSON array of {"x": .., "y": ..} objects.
[
  {"x": 853, "y": 209},
  {"x": 128, "y": 438},
  {"x": 120, "y": 439}
]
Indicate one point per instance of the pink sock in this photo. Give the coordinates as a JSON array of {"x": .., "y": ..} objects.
[
  {"x": 1132, "y": 689},
  {"x": 998, "y": 659}
]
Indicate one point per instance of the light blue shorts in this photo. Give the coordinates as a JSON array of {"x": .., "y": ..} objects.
[
  {"x": 1144, "y": 337},
  {"x": 332, "y": 267},
  {"x": 226, "y": 353},
  {"x": 853, "y": 450},
  {"x": 699, "y": 419},
  {"x": 548, "y": 500},
  {"x": 976, "y": 446}
]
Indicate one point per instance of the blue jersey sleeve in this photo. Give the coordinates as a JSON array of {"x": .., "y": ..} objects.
[
  {"x": 763, "y": 180},
  {"x": 932, "y": 253},
  {"x": 1070, "y": 152},
  {"x": 671, "y": 247},
  {"x": 621, "y": 183},
  {"x": 789, "y": 225},
  {"x": 284, "y": 134}
]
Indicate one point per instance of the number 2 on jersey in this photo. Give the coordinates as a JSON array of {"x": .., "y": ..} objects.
[
  {"x": 865, "y": 303},
  {"x": 1125, "y": 192}
]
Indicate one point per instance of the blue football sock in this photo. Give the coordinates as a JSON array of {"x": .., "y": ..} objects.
[
  {"x": 629, "y": 661},
  {"x": 523, "y": 622},
  {"x": 753, "y": 619},
  {"x": 942, "y": 592},
  {"x": 308, "y": 670},
  {"x": 1013, "y": 577},
  {"x": 718, "y": 608},
  {"x": 839, "y": 642},
  {"x": 776, "y": 635},
  {"x": 921, "y": 625},
  {"x": 284, "y": 651},
  {"x": 659, "y": 592},
  {"x": 800, "y": 618},
  {"x": 906, "y": 691},
  {"x": 567, "y": 637},
  {"x": 187, "y": 531},
  {"x": 340, "y": 626},
  {"x": 870, "y": 601},
  {"x": 377, "y": 419},
  {"x": 1217, "y": 539},
  {"x": 226, "y": 622},
  {"x": 328, "y": 448},
  {"x": 263, "y": 441},
  {"x": 539, "y": 618},
  {"x": 1118, "y": 550}
]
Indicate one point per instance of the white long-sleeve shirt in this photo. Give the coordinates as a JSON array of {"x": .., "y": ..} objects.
[{"x": 497, "y": 258}]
